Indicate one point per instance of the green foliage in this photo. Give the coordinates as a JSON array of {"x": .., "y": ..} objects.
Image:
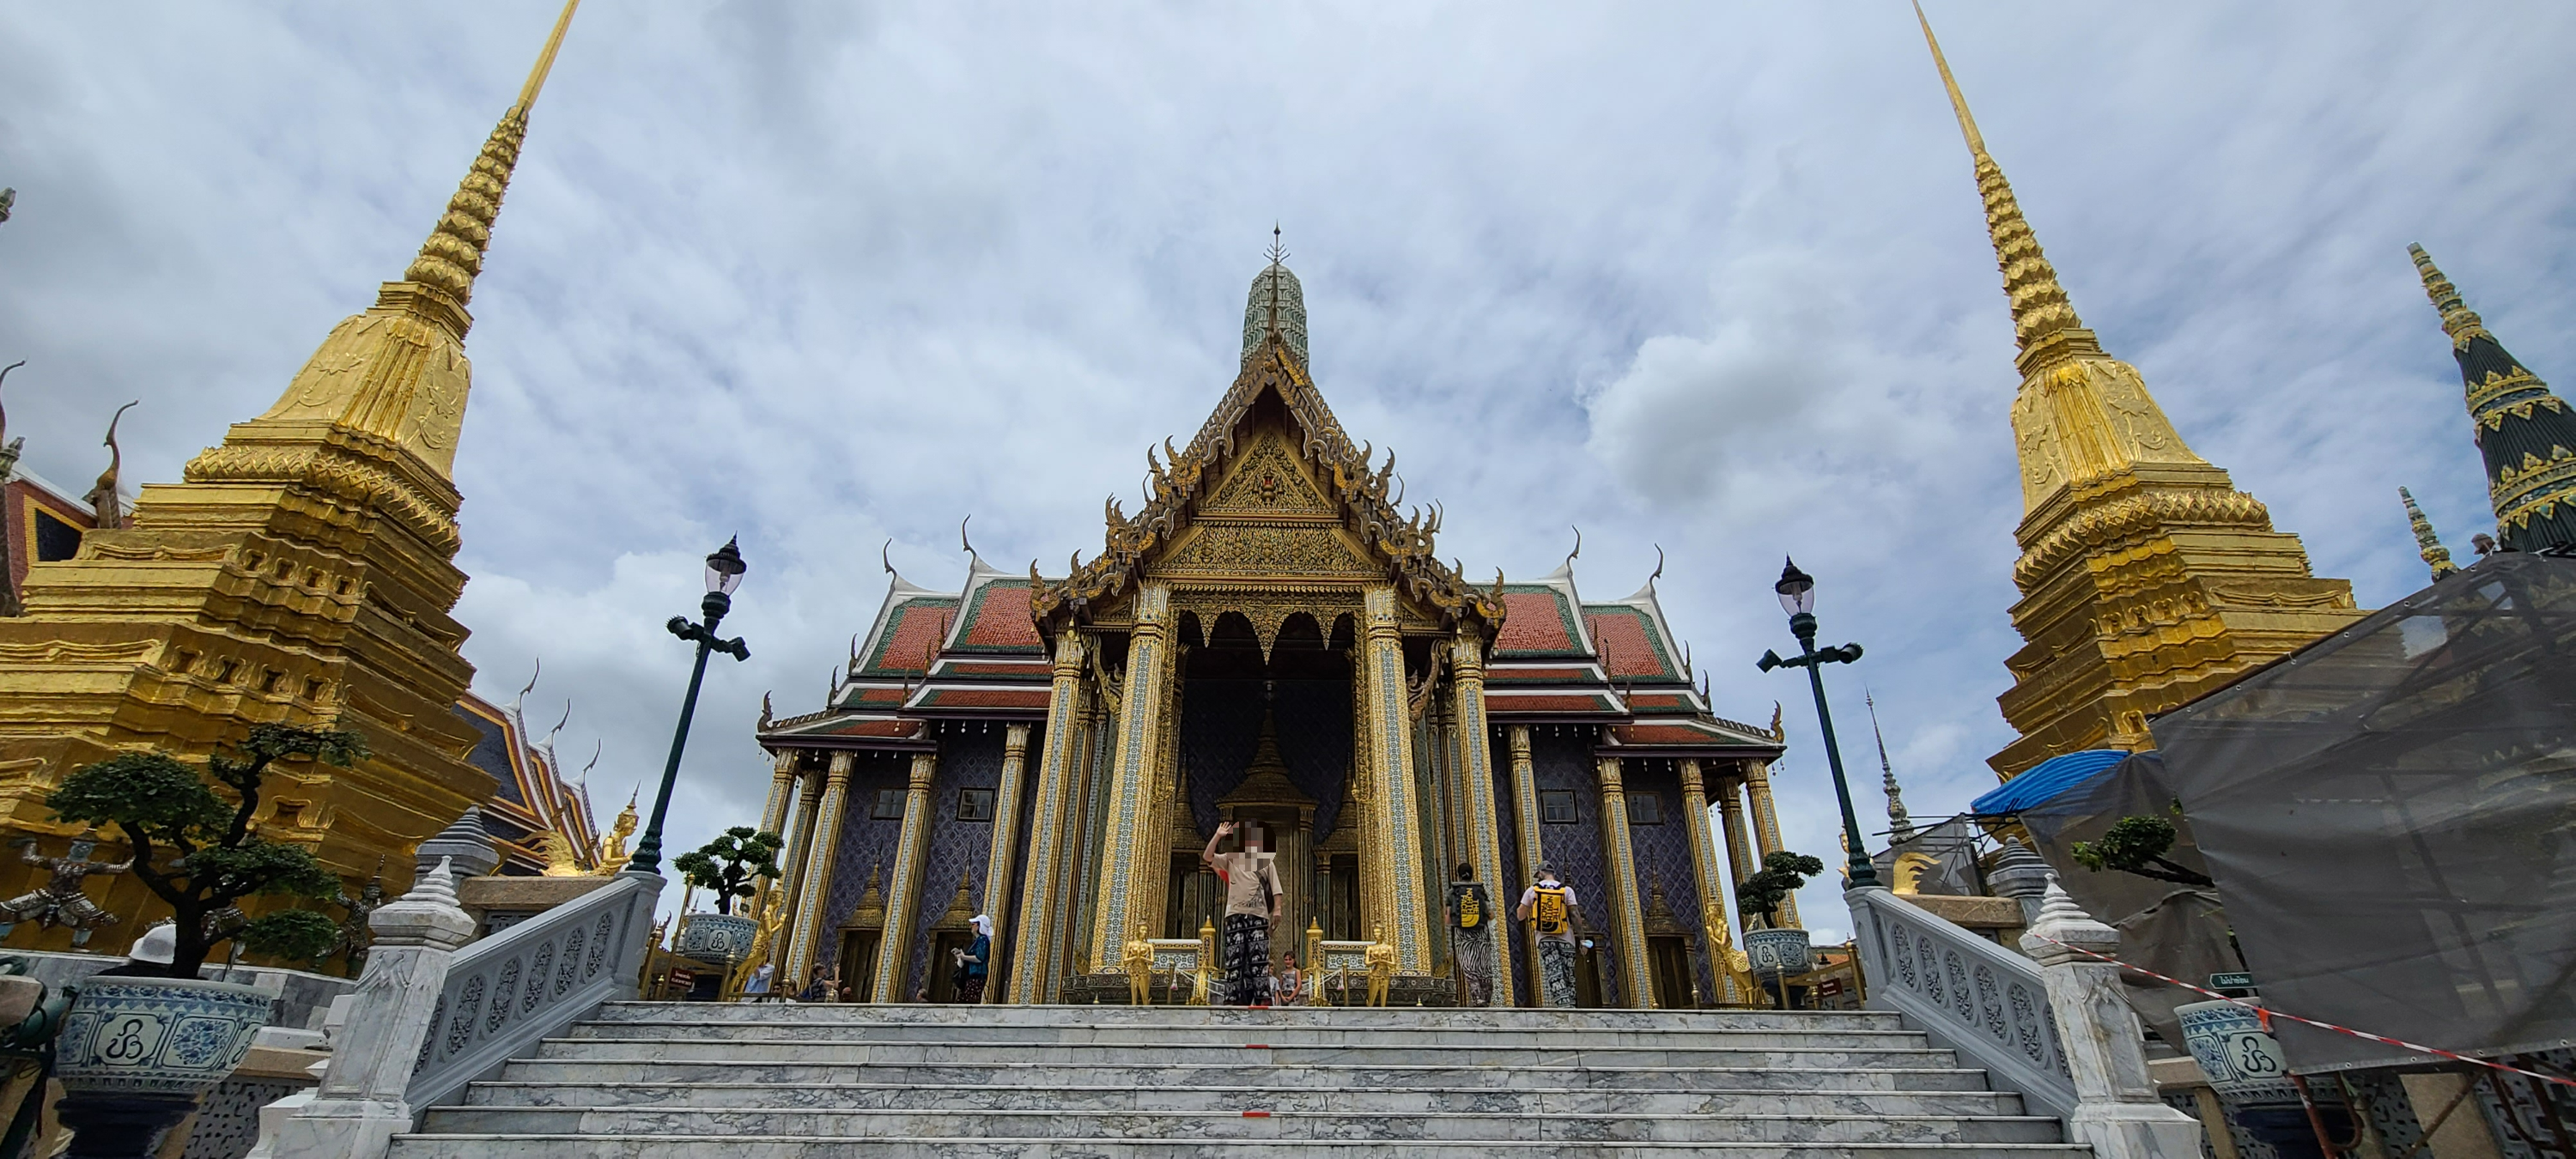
[
  {"x": 290, "y": 935},
  {"x": 196, "y": 850},
  {"x": 2137, "y": 845},
  {"x": 1782, "y": 873},
  {"x": 732, "y": 864}
]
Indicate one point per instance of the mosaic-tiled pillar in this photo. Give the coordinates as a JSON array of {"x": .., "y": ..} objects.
[
  {"x": 1476, "y": 770},
  {"x": 1050, "y": 831},
  {"x": 903, "y": 898},
  {"x": 825, "y": 844},
  {"x": 1766, "y": 831},
  {"x": 1626, "y": 913},
  {"x": 1525, "y": 817},
  {"x": 1396, "y": 813},
  {"x": 798, "y": 843},
  {"x": 782, "y": 791},
  {"x": 1730, "y": 809},
  {"x": 998, "y": 860},
  {"x": 1716, "y": 935},
  {"x": 1133, "y": 822}
]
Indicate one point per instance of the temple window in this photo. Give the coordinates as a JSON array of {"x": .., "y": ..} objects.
[
  {"x": 1645, "y": 809},
  {"x": 889, "y": 805},
  {"x": 1556, "y": 807},
  {"x": 974, "y": 804}
]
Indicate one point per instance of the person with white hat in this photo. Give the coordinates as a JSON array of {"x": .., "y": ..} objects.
[
  {"x": 972, "y": 961},
  {"x": 150, "y": 955}
]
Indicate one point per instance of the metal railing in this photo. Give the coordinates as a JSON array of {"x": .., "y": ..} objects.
[
  {"x": 1968, "y": 994},
  {"x": 510, "y": 989}
]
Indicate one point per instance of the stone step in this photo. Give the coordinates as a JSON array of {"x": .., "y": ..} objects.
[
  {"x": 1376, "y": 1052},
  {"x": 1243, "y": 1125},
  {"x": 675, "y": 1146},
  {"x": 1276, "y": 1035},
  {"x": 1240, "y": 1071},
  {"x": 1520, "y": 1097},
  {"x": 1394, "y": 1017}
]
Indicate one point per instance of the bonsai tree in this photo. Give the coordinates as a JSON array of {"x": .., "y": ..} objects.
[
  {"x": 2138, "y": 845},
  {"x": 732, "y": 865},
  {"x": 1782, "y": 873},
  {"x": 198, "y": 852}
]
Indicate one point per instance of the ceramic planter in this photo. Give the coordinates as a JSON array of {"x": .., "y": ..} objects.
[
  {"x": 720, "y": 939},
  {"x": 1778, "y": 952},
  {"x": 2244, "y": 1063},
  {"x": 162, "y": 1036}
]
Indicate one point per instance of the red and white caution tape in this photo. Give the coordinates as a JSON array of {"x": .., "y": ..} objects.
[{"x": 2266, "y": 1015}]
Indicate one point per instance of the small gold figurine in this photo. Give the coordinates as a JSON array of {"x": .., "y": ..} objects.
[
  {"x": 1381, "y": 968},
  {"x": 612, "y": 848},
  {"x": 1139, "y": 960}
]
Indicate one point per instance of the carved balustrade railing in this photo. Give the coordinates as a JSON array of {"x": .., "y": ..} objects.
[
  {"x": 1987, "y": 1003},
  {"x": 510, "y": 989}
]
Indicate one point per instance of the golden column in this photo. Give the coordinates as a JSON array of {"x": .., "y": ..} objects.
[
  {"x": 1396, "y": 815},
  {"x": 1766, "y": 831},
  {"x": 1476, "y": 767},
  {"x": 1129, "y": 849},
  {"x": 1730, "y": 809},
  {"x": 797, "y": 846},
  {"x": 1719, "y": 938},
  {"x": 1032, "y": 958},
  {"x": 903, "y": 899},
  {"x": 997, "y": 860},
  {"x": 782, "y": 790},
  {"x": 1625, "y": 911},
  {"x": 813, "y": 896},
  {"x": 1525, "y": 815}
]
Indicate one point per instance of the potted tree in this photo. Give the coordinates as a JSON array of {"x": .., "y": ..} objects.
[
  {"x": 137, "y": 1049},
  {"x": 1776, "y": 952},
  {"x": 731, "y": 867}
]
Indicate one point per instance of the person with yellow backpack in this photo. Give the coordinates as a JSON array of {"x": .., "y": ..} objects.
[
  {"x": 1549, "y": 907},
  {"x": 1469, "y": 913}
]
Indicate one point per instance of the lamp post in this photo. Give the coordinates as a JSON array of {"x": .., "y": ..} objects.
[
  {"x": 1798, "y": 598},
  {"x": 724, "y": 573}
]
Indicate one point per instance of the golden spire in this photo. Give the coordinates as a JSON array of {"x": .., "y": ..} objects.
[
  {"x": 2044, "y": 320},
  {"x": 2458, "y": 320},
  {"x": 453, "y": 255},
  {"x": 2427, "y": 544}
]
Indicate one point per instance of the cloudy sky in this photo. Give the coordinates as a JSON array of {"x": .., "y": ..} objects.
[{"x": 1712, "y": 277}]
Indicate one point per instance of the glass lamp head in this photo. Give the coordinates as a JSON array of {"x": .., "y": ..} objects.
[
  {"x": 1797, "y": 590},
  {"x": 725, "y": 568}
]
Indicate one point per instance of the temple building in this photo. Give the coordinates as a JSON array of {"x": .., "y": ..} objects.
[
  {"x": 2524, "y": 432},
  {"x": 1270, "y": 638},
  {"x": 2147, "y": 579},
  {"x": 302, "y": 572}
]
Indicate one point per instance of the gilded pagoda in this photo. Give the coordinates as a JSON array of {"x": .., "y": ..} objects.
[{"x": 1269, "y": 638}]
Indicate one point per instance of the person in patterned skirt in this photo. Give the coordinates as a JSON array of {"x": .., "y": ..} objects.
[
  {"x": 1548, "y": 905},
  {"x": 1253, "y": 903}
]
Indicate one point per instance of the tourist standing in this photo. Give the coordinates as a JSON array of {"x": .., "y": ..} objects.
[
  {"x": 1252, "y": 903},
  {"x": 972, "y": 961},
  {"x": 1469, "y": 912},
  {"x": 1290, "y": 986},
  {"x": 1548, "y": 905}
]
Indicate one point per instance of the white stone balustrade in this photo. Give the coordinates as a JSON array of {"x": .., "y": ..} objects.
[{"x": 2117, "y": 1110}]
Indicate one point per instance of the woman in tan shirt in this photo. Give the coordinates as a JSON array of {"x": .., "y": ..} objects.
[{"x": 1253, "y": 901}]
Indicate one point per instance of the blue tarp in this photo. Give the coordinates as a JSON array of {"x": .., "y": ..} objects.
[{"x": 2046, "y": 780}]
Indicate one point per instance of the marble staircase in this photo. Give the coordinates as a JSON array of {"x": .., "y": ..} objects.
[{"x": 706, "y": 1081}]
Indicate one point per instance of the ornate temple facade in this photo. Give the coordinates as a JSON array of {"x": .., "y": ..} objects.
[
  {"x": 1270, "y": 638},
  {"x": 2147, "y": 579},
  {"x": 303, "y": 572}
]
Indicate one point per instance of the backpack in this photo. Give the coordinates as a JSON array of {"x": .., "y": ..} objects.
[
  {"x": 1550, "y": 910},
  {"x": 1470, "y": 906}
]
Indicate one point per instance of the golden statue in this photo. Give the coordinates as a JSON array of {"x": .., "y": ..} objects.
[
  {"x": 560, "y": 860},
  {"x": 1139, "y": 961},
  {"x": 1381, "y": 968},
  {"x": 612, "y": 848},
  {"x": 773, "y": 916}
]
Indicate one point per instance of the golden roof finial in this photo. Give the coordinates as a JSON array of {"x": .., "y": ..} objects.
[
  {"x": 2458, "y": 320},
  {"x": 2044, "y": 321},
  {"x": 453, "y": 255},
  {"x": 2427, "y": 544}
]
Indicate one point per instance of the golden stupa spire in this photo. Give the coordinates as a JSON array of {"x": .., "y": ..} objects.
[
  {"x": 2427, "y": 544},
  {"x": 453, "y": 255},
  {"x": 2044, "y": 320},
  {"x": 2458, "y": 320}
]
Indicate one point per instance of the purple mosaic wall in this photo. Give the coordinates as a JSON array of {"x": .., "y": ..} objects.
[
  {"x": 864, "y": 842},
  {"x": 1562, "y": 758},
  {"x": 970, "y": 757},
  {"x": 1221, "y": 724},
  {"x": 1664, "y": 852}
]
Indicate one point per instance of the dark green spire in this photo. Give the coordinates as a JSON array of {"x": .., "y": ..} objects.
[{"x": 2527, "y": 434}]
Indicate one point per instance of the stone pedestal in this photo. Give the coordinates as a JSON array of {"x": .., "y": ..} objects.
[
  {"x": 497, "y": 903},
  {"x": 359, "y": 1107},
  {"x": 2117, "y": 1110}
]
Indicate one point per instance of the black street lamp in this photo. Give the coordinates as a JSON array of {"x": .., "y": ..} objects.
[
  {"x": 724, "y": 573},
  {"x": 1798, "y": 598}
]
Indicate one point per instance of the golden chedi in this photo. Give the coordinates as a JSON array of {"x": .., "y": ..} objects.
[
  {"x": 303, "y": 572},
  {"x": 2147, "y": 579}
]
